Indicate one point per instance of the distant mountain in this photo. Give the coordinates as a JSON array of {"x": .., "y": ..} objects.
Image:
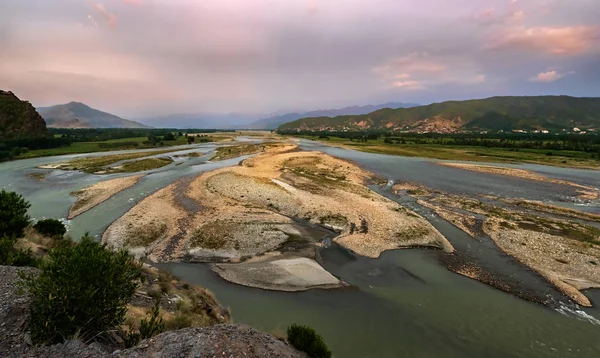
[
  {"x": 19, "y": 119},
  {"x": 79, "y": 115},
  {"x": 496, "y": 113},
  {"x": 276, "y": 121},
  {"x": 202, "y": 120}
]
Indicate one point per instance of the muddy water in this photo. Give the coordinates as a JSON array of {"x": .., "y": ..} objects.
[{"x": 402, "y": 304}]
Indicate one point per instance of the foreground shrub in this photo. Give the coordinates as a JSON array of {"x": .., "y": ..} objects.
[
  {"x": 13, "y": 214},
  {"x": 11, "y": 256},
  {"x": 82, "y": 291},
  {"x": 148, "y": 328},
  {"x": 51, "y": 227},
  {"x": 307, "y": 340}
]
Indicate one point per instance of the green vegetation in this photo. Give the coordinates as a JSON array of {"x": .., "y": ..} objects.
[
  {"x": 13, "y": 214},
  {"x": 148, "y": 328},
  {"x": 18, "y": 119},
  {"x": 51, "y": 228},
  {"x": 212, "y": 236},
  {"x": 413, "y": 233},
  {"x": 223, "y": 153},
  {"x": 98, "y": 164},
  {"x": 82, "y": 291},
  {"x": 13, "y": 221},
  {"x": 12, "y": 256},
  {"x": 141, "y": 165},
  {"x": 496, "y": 113},
  {"x": 307, "y": 340},
  {"x": 147, "y": 235}
]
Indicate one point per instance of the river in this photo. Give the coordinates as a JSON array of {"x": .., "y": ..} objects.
[{"x": 402, "y": 304}]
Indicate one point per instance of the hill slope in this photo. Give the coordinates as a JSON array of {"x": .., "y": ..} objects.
[
  {"x": 18, "y": 119},
  {"x": 79, "y": 115},
  {"x": 276, "y": 121},
  {"x": 506, "y": 113}
]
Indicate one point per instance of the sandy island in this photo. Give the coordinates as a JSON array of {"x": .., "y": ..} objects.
[
  {"x": 585, "y": 192},
  {"x": 258, "y": 210},
  {"x": 93, "y": 195},
  {"x": 564, "y": 252}
]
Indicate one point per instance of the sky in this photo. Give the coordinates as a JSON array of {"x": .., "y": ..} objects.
[{"x": 154, "y": 57}]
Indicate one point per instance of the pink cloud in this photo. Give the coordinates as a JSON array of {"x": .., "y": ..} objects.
[
  {"x": 111, "y": 19},
  {"x": 133, "y": 2},
  {"x": 570, "y": 40},
  {"x": 407, "y": 84},
  {"x": 549, "y": 76}
]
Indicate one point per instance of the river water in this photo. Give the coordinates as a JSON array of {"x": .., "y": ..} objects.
[{"x": 401, "y": 304}]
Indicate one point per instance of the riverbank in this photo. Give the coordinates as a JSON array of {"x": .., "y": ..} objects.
[
  {"x": 98, "y": 164},
  {"x": 564, "y": 252},
  {"x": 237, "y": 213},
  {"x": 585, "y": 192},
  {"x": 472, "y": 154},
  {"x": 93, "y": 195}
]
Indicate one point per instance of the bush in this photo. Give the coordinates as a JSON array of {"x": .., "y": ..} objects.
[
  {"x": 307, "y": 340},
  {"x": 50, "y": 227},
  {"x": 13, "y": 214},
  {"x": 82, "y": 291},
  {"x": 11, "y": 256},
  {"x": 148, "y": 328}
]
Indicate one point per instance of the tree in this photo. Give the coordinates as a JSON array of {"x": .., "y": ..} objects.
[
  {"x": 51, "y": 227},
  {"x": 82, "y": 291},
  {"x": 307, "y": 340},
  {"x": 13, "y": 214},
  {"x": 169, "y": 136}
]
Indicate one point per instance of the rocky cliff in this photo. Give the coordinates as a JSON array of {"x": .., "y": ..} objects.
[{"x": 19, "y": 119}]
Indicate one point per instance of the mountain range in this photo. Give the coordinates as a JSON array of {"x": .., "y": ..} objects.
[
  {"x": 204, "y": 120},
  {"x": 79, "y": 115},
  {"x": 275, "y": 121},
  {"x": 496, "y": 113}
]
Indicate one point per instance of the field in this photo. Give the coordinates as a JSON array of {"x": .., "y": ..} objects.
[
  {"x": 103, "y": 146},
  {"x": 569, "y": 159}
]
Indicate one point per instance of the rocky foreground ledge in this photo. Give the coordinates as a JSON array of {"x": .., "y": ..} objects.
[{"x": 224, "y": 340}]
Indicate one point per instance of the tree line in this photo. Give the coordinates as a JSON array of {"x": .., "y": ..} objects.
[{"x": 588, "y": 143}]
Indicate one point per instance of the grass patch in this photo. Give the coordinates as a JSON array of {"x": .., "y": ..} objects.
[
  {"x": 147, "y": 234},
  {"x": 141, "y": 165},
  {"x": 100, "y": 146},
  {"x": 569, "y": 159},
  {"x": 213, "y": 236},
  {"x": 97, "y": 164},
  {"x": 38, "y": 176},
  {"x": 411, "y": 233},
  {"x": 233, "y": 151}
]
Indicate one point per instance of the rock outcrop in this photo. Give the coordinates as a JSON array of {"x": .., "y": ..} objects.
[
  {"x": 223, "y": 340},
  {"x": 19, "y": 119}
]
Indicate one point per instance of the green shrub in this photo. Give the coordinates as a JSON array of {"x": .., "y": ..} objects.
[
  {"x": 82, "y": 291},
  {"x": 148, "y": 328},
  {"x": 307, "y": 340},
  {"x": 11, "y": 256},
  {"x": 50, "y": 227},
  {"x": 13, "y": 214}
]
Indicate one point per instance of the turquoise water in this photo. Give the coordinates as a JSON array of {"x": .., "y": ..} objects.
[{"x": 404, "y": 304}]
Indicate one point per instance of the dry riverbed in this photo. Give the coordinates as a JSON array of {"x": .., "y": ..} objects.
[
  {"x": 98, "y": 193},
  {"x": 545, "y": 238},
  {"x": 257, "y": 217}
]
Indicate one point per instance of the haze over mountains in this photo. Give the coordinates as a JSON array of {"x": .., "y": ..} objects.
[
  {"x": 276, "y": 121},
  {"x": 79, "y": 115},
  {"x": 496, "y": 113}
]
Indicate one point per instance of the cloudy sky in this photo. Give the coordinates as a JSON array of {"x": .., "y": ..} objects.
[{"x": 142, "y": 57}]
